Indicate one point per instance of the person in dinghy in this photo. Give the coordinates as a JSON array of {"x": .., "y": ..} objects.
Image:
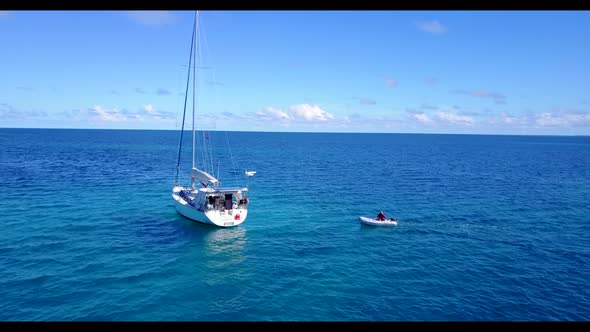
[{"x": 381, "y": 217}]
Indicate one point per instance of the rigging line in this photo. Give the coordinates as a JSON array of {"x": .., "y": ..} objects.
[
  {"x": 195, "y": 79},
  {"x": 231, "y": 157},
  {"x": 198, "y": 140},
  {"x": 184, "y": 110},
  {"x": 207, "y": 141},
  {"x": 202, "y": 142},
  {"x": 204, "y": 153},
  {"x": 216, "y": 97},
  {"x": 218, "y": 170},
  {"x": 210, "y": 152},
  {"x": 206, "y": 51},
  {"x": 204, "y": 145}
]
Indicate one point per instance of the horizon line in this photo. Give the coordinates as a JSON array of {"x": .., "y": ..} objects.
[{"x": 304, "y": 132}]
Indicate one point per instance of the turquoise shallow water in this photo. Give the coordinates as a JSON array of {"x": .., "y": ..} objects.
[{"x": 490, "y": 228}]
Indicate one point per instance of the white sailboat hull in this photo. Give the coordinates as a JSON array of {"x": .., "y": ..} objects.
[{"x": 227, "y": 218}]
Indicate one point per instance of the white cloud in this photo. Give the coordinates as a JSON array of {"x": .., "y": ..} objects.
[
  {"x": 147, "y": 112},
  {"x": 152, "y": 17},
  {"x": 271, "y": 113},
  {"x": 310, "y": 112},
  {"x": 107, "y": 115},
  {"x": 149, "y": 108},
  {"x": 454, "y": 118},
  {"x": 159, "y": 115},
  {"x": 433, "y": 27},
  {"x": 563, "y": 119},
  {"x": 505, "y": 120},
  {"x": 422, "y": 118},
  {"x": 295, "y": 113},
  {"x": 511, "y": 120}
]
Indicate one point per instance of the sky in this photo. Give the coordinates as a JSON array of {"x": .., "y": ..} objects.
[{"x": 463, "y": 72}]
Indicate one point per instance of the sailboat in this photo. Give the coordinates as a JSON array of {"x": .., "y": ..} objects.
[{"x": 208, "y": 203}]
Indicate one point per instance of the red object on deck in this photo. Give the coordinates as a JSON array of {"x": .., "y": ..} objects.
[{"x": 237, "y": 217}]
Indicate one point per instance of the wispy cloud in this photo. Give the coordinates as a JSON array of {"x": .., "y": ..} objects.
[
  {"x": 544, "y": 120},
  {"x": 9, "y": 112},
  {"x": 428, "y": 107},
  {"x": 165, "y": 115},
  {"x": 152, "y": 17},
  {"x": 114, "y": 92},
  {"x": 365, "y": 101},
  {"x": 70, "y": 114},
  {"x": 5, "y": 13},
  {"x": 563, "y": 119},
  {"x": 471, "y": 113},
  {"x": 507, "y": 119},
  {"x": 157, "y": 114},
  {"x": 131, "y": 115},
  {"x": 158, "y": 91},
  {"x": 421, "y": 117},
  {"x": 497, "y": 97},
  {"x": 302, "y": 112},
  {"x": 24, "y": 88},
  {"x": 430, "y": 81},
  {"x": 390, "y": 82},
  {"x": 271, "y": 113},
  {"x": 101, "y": 114},
  {"x": 146, "y": 115},
  {"x": 162, "y": 92},
  {"x": 433, "y": 27},
  {"x": 215, "y": 83},
  {"x": 455, "y": 118}
]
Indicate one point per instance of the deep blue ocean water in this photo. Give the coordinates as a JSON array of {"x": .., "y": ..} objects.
[{"x": 490, "y": 228}]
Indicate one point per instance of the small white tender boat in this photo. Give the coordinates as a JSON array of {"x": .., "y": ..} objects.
[{"x": 376, "y": 222}]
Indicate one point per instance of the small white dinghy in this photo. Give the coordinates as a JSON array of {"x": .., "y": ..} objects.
[{"x": 376, "y": 222}]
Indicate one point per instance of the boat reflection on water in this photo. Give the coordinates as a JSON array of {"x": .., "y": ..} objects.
[
  {"x": 225, "y": 240},
  {"x": 223, "y": 247}
]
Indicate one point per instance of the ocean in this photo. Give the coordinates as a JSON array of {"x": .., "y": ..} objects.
[{"x": 491, "y": 228}]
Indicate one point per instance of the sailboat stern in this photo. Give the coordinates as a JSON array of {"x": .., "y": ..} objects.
[
  {"x": 227, "y": 218},
  {"x": 210, "y": 206}
]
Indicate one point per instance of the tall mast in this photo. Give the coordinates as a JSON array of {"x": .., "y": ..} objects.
[
  {"x": 195, "y": 79},
  {"x": 188, "y": 76}
]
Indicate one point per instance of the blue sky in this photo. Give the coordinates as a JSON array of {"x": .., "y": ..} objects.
[{"x": 485, "y": 72}]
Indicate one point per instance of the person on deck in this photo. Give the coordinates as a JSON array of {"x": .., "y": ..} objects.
[{"x": 381, "y": 216}]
